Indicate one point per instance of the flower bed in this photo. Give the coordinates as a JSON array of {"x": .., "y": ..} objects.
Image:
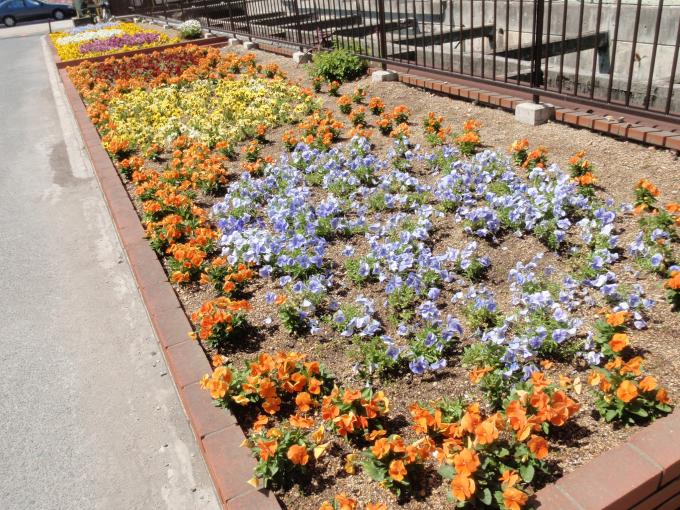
[
  {"x": 105, "y": 39},
  {"x": 388, "y": 266}
]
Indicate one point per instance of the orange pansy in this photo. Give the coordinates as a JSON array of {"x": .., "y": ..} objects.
[
  {"x": 463, "y": 487},
  {"x": 619, "y": 342},
  {"x": 648, "y": 383},
  {"x": 538, "y": 446},
  {"x": 298, "y": 454},
  {"x": 397, "y": 470},
  {"x": 514, "y": 499},
  {"x": 627, "y": 391}
]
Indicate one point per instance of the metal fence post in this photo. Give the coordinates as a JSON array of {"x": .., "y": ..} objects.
[
  {"x": 245, "y": 12},
  {"x": 382, "y": 35},
  {"x": 231, "y": 17},
  {"x": 298, "y": 30},
  {"x": 205, "y": 15},
  {"x": 536, "y": 73}
]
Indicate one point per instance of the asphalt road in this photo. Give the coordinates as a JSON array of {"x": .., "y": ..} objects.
[{"x": 89, "y": 417}]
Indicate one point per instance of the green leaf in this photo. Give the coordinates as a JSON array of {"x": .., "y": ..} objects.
[
  {"x": 486, "y": 497},
  {"x": 527, "y": 472},
  {"x": 640, "y": 412},
  {"x": 611, "y": 414},
  {"x": 375, "y": 472},
  {"x": 447, "y": 472}
]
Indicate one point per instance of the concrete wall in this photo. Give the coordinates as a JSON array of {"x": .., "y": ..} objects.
[{"x": 667, "y": 35}]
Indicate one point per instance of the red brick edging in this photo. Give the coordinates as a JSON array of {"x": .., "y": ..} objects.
[
  {"x": 643, "y": 474},
  {"x": 651, "y": 135},
  {"x": 218, "y": 434}
]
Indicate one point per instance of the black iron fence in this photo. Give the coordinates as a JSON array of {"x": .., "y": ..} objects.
[{"x": 618, "y": 54}]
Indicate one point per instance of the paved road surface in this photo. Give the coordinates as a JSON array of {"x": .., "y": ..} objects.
[{"x": 88, "y": 417}]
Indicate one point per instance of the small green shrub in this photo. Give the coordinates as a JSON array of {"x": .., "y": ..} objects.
[{"x": 337, "y": 65}]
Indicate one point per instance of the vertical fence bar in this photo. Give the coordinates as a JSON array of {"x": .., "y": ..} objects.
[
  {"x": 422, "y": 25},
  {"x": 597, "y": 48},
  {"x": 298, "y": 28},
  {"x": 483, "y": 33},
  {"x": 342, "y": 39},
  {"x": 460, "y": 34},
  {"x": 495, "y": 18},
  {"x": 536, "y": 74},
  {"x": 372, "y": 28},
  {"x": 564, "y": 35},
  {"x": 472, "y": 41},
  {"x": 398, "y": 28},
  {"x": 614, "y": 44},
  {"x": 231, "y": 17},
  {"x": 382, "y": 35},
  {"x": 632, "y": 52},
  {"x": 578, "y": 48},
  {"x": 205, "y": 15},
  {"x": 532, "y": 47},
  {"x": 245, "y": 11},
  {"x": 507, "y": 38},
  {"x": 648, "y": 92},
  {"x": 434, "y": 39},
  {"x": 674, "y": 66},
  {"x": 450, "y": 38},
  {"x": 519, "y": 42},
  {"x": 547, "y": 50},
  {"x": 441, "y": 35}
]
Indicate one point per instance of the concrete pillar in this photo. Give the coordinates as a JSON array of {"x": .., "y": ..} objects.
[
  {"x": 534, "y": 114},
  {"x": 378, "y": 76},
  {"x": 300, "y": 57}
]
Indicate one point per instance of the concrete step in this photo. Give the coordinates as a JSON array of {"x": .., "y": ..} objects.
[
  {"x": 588, "y": 41},
  {"x": 372, "y": 28},
  {"x": 437, "y": 38}
]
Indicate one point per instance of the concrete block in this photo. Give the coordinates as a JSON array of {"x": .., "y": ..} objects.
[
  {"x": 379, "y": 76},
  {"x": 300, "y": 57},
  {"x": 233, "y": 41},
  {"x": 534, "y": 114},
  {"x": 250, "y": 45}
]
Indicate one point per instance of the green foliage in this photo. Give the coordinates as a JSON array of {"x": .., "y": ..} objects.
[
  {"x": 337, "y": 65},
  {"x": 625, "y": 400},
  {"x": 292, "y": 318},
  {"x": 274, "y": 470},
  {"x": 373, "y": 359},
  {"x": 402, "y": 300},
  {"x": 481, "y": 319}
]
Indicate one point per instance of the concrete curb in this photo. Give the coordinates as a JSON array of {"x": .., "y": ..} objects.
[
  {"x": 216, "y": 430},
  {"x": 643, "y": 474}
]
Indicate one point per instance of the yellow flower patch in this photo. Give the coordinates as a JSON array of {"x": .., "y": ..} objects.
[
  {"x": 69, "y": 44},
  {"x": 207, "y": 110}
]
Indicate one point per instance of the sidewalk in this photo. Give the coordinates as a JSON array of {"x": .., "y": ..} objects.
[{"x": 89, "y": 416}]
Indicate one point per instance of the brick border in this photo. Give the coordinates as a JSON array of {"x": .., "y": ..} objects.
[
  {"x": 217, "y": 433},
  {"x": 648, "y": 134},
  {"x": 643, "y": 474}
]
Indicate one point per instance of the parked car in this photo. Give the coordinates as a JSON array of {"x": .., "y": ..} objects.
[{"x": 13, "y": 11}]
